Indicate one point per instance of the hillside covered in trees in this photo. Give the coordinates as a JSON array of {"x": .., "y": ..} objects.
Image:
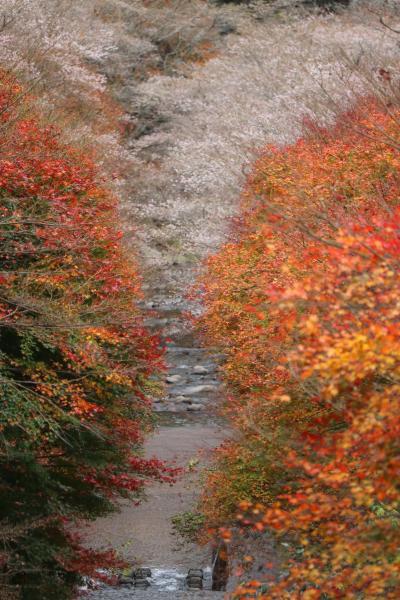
[
  {"x": 304, "y": 304},
  {"x": 75, "y": 358}
]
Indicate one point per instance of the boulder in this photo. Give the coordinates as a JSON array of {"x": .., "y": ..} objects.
[
  {"x": 181, "y": 399},
  {"x": 195, "y": 573},
  {"x": 200, "y": 370},
  {"x": 173, "y": 378},
  {"x": 141, "y": 584},
  {"x": 194, "y": 582},
  {"x": 122, "y": 580},
  {"x": 142, "y": 573},
  {"x": 199, "y": 389}
]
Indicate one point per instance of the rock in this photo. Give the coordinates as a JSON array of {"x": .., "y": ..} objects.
[
  {"x": 198, "y": 389},
  {"x": 141, "y": 584},
  {"x": 183, "y": 350},
  {"x": 173, "y": 378},
  {"x": 142, "y": 573},
  {"x": 90, "y": 583},
  {"x": 200, "y": 370},
  {"x": 195, "y": 573},
  {"x": 194, "y": 407},
  {"x": 195, "y": 582},
  {"x": 122, "y": 580},
  {"x": 182, "y": 399},
  {"x": 156, "y": 322}
]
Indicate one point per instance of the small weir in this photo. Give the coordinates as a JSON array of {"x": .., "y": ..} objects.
[{"x": 167, "y": 581}]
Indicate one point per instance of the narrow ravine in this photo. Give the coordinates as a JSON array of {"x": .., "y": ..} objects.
[
  {"x": 164, "y": 160},
  {"x": 191, "y": 161}
]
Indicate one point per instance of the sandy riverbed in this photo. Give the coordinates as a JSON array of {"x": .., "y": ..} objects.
[{"x": 142, "y": 534}]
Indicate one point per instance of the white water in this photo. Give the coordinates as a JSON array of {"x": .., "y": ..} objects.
[{"x": 167, "y": 579}]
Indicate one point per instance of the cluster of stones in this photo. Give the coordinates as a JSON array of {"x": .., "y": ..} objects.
[
  {"x": 192, "y": 380},
  {"x": 194, "y": 579},
  {"x": 138, "y": 578}
]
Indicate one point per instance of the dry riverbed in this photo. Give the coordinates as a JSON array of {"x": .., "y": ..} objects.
[{"x": 143, "y": 534}]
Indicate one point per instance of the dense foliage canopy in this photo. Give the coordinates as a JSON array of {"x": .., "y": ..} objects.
[
  {"x": 75, "y": 359},
  {"x": 305, "y": 305}
]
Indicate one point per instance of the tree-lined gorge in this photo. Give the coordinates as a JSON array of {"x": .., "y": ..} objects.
[{"x": 199, "y": 227}]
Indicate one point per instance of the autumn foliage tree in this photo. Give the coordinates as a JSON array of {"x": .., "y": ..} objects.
[
  {"x": 75, "y": 359},
  {"x": 304, "y": 304}
]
